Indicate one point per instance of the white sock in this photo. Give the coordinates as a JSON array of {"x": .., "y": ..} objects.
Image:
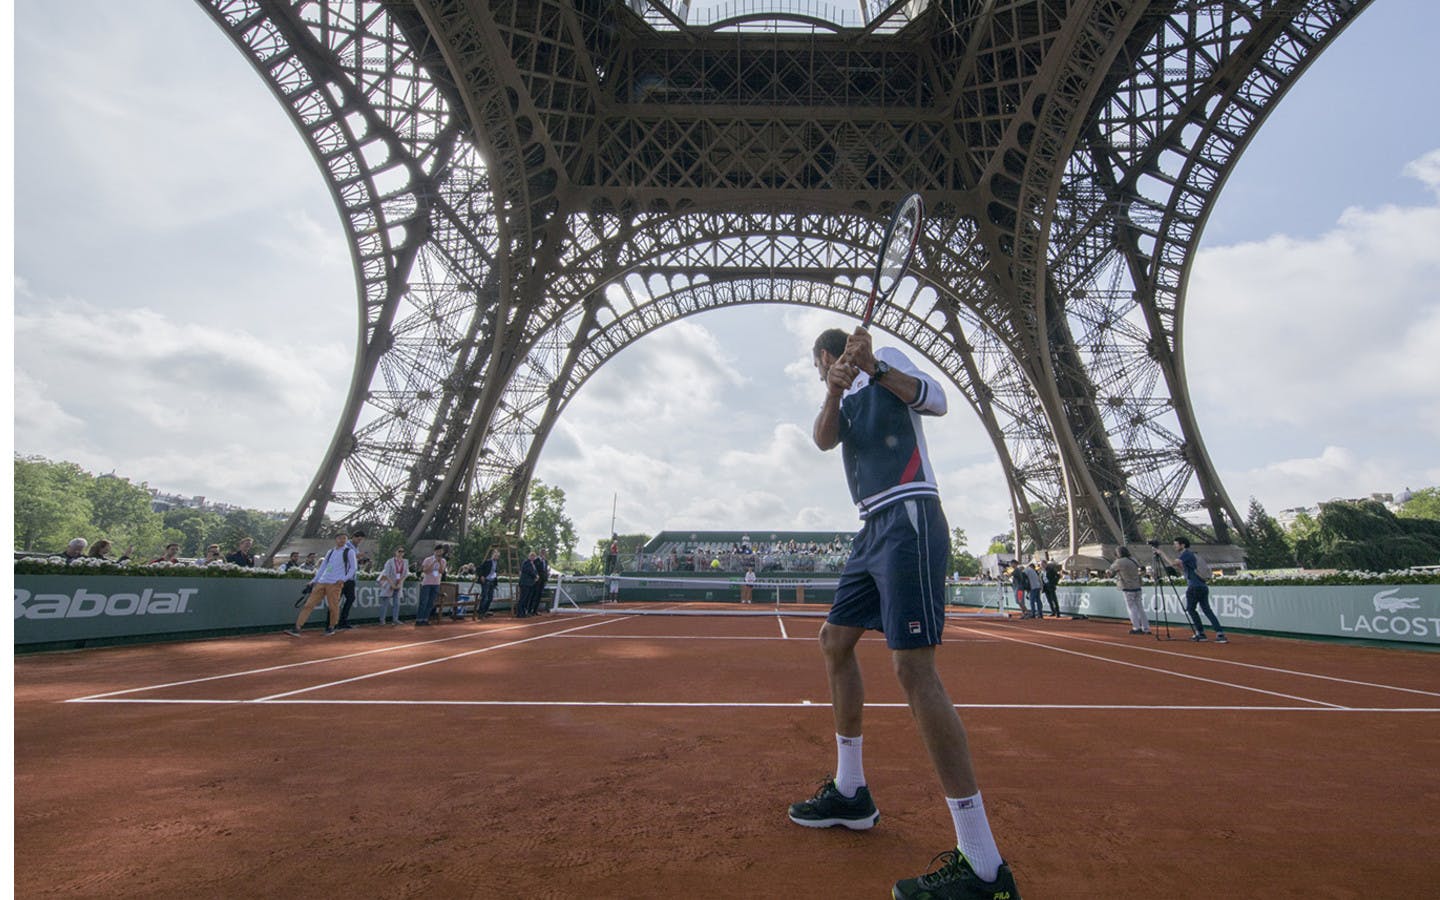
[
  {"x": 972, "y": 835},
  {"x": 849, "y": 769}
]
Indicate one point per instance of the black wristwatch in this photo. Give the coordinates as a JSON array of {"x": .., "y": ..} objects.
[{"x": 881, "y": 370}]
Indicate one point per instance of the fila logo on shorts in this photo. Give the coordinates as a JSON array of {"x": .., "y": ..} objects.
[{"x": 914, "y": 627}]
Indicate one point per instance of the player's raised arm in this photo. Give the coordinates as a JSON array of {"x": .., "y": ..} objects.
[
  {"x": 837, "y": 373},
  {"x": 895, "y": 379}
]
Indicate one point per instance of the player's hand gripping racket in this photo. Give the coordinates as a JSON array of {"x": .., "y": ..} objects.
[{"x": 895, "y": 254}]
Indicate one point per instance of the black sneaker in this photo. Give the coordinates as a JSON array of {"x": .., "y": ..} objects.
[
  {"x": 293, "y": 632},
  {"x": 1197, "y": 637},
  {"x": 331, "y": 630},
  {"x": 829, "y": 807},
  {"x": 1220, "y": 638},
  {"x": 955, "y": 880}
]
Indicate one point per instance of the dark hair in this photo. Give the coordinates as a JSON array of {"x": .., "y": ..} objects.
[
  {"x": 1182, "y": 541},
  {"x": 357, "y": 533},
  {"x": 832, "y": 339},
  {"x": 1124, "y": 551}
]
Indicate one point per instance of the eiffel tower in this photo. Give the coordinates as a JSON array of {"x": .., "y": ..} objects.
[{"x": 529, "y": 186}]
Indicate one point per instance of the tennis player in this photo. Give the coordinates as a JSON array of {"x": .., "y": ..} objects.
[{"x": 894, "y": 581}]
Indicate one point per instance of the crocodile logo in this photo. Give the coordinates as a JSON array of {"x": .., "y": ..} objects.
[{"x": 1385, "y": 601}]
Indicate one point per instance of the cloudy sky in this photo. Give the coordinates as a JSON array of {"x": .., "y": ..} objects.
[{"x": 184, "y": 305}]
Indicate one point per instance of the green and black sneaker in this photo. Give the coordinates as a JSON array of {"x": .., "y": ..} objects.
[
  {"x": 830, "y": 807},
  {"x": 955, "y": 880}
]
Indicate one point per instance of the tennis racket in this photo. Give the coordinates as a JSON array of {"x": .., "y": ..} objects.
[{"x": 895, "y": 253}]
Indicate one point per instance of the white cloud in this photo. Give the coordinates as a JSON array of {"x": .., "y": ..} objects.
[
  {"x": 188, "y": 406},
  {"x": 1336, "y": 473},
  {"x": 1292, "y": 345},
  {"x": 1426, "y": 170}
]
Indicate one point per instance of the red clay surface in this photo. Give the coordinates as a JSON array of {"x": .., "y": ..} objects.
[{"x": 583, "y": 756}]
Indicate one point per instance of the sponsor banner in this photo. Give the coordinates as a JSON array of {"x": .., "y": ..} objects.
[
  {"x": 50, "y": 608},
  {"x": 1370, "y": 611}
]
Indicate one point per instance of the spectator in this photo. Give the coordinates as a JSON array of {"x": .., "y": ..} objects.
[
  {"x": 242, "y": 555},
  {"x": 432, "y": 572},
  {"x": 74, "y": 550},
  {"x": 1021, "y": 586},
  {"x": 348, "y": 589},
  {"x": 1035, "y": 582},
  {"x": 529, "y": 577},
  {"x": 1052, "y": 581},
  {"x": 392, "y": 586},
  {"x": 212, "y": 554},
  {"x": 292, "y": 563},
  {"x": 489, "y": 575},
  {"x": 325, "y": 587},
  {"x": 101, "y": 550},
  {"x": 542, "y": 572},
  {"x": 309, "y": 563},
  {"x": 171, "y": 555}
]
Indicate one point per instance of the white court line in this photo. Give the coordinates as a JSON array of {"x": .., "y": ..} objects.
[
  {"x": 783, "y": 634},
  {"x": 1121, "y": 662},
  {"x": 801, "y": 704},
  {"x": 308, "y": 662},
  {"x": 1232, "y": 662},
  {"x": 431, "y": 662}
]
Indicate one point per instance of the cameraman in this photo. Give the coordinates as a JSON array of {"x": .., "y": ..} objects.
[
  {"x": 1197, "y": 592},
  {"x": 1126, "y": 573}
]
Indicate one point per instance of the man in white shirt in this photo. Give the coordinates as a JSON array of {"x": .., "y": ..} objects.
[{"x": 338, "y": 565}]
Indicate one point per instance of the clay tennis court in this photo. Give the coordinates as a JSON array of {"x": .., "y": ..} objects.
[{"x": 580, "y": 756}]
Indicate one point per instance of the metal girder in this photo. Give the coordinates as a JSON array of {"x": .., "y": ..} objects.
[{"x": 507, "y": 168}]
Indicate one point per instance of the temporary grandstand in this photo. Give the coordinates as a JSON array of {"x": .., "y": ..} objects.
[{"x": 764, "y": 550}]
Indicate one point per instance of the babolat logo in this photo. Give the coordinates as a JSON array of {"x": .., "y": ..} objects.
[{"x": 83, "y": 604}]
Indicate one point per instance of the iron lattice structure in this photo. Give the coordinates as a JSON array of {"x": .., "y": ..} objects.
[{"x": 531, "y": 185}]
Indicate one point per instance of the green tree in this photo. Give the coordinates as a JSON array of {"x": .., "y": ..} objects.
[
  {"x": 52, "y": 503},
  {"x": 476, "y": 545},
  {"x": 241, "y": 523},
  {"x": 1266, "y": 547},
  {"x": 1365, "y": 536},
  {"x": 1000, "y": 545},
  {"x": 386, "y": 540},
  {"x": 962, "y": 561},
  {"x": 1423, "y": 504},
  {"x": 196, "y": 529},
  {"x": 120, "y": 511},
  {"x": 1303, "y": 536},
  {"x": 546, "y": 525}
]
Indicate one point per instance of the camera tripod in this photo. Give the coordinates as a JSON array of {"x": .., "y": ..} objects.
[{"x": 1159, "y": 595}]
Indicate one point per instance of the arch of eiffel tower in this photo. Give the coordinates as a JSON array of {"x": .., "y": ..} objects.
[{"x": 529, "y": 186}]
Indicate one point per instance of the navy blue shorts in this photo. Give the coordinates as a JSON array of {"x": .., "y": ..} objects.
[{"x": 894, "y": 580}]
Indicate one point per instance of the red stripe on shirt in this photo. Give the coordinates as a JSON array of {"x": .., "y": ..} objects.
[{"x": 911, "y": 467}]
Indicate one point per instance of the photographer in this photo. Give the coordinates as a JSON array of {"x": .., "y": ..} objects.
[
  {"x": 1197, "y": 592},
  {"x": 1126, "y": 573}
]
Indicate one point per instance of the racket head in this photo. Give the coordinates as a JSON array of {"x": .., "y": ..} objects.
[{"x": 896, "y": 251}]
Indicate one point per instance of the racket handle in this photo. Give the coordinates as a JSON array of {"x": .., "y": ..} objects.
[{"x": 869, "y": 309}]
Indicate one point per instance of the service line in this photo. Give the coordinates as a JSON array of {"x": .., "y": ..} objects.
[{"x": 430, "y": 662}]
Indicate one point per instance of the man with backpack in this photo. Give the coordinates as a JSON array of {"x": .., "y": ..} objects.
[{"x": 1197, "y": 592}]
